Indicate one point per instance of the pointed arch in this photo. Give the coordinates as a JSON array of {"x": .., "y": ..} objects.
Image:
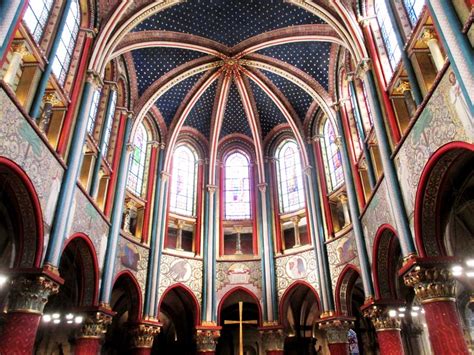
[
  {"x": 132, "y": 288},
  {"x": 189, "y": 297},
  {"x": 343, "y": 291},
  {"x": 233, "y": 291}
]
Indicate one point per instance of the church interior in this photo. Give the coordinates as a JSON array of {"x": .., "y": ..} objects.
[{"x": 230, "y": 177}]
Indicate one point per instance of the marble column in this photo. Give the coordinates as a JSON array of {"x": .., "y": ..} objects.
[
  {"x": 18, "y": 52},
  {"x": 273, "y": 339},
  {"x": 387, "y": 328},
  {"x": 429, "y": 38},
  {"x": 89, "y": 340},
  {"x": 435, "y": 288},
  {"x": 142, "y": 335},
  {"x": 296, "y": 226},
  {"x": 206, "y": 339},
  {"x": 345, "y": 210},
  {"x": 26, "y": 300},
  {"x": 336, "y": 330}
]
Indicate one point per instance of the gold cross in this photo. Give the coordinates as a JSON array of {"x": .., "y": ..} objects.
[{"x": 241, "y": 323}]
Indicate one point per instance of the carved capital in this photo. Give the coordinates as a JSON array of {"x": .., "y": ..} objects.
[
  {"x": 427, "y": 35},
  {"x": 381, "y": 319},
  {"x": 19, "y": 47},
  {"x": 206, "y": 339},
  {"x": 94, "y": 78},
  {"x": 262, "y": 187},
  {"x": 95, "y": 325},
  {"x": 273, "y": 339},
  {"x": 336, "y": 329},
  {"x": 211, "y": 188},
  {"x": 363, "y": 67},
  {"x": 30, "y": 294},
  {"x": 143, "y": 334},
  {"x": 51, "y": 98},
  {"x": 402, "y": 86},
  {"x": 431, "y": 283}
]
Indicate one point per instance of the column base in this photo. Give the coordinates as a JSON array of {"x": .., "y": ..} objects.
[
  {"x": 339, "y": 348},
  {"x": 19, "y": 333},
  {"x": 87, "y": 346}
]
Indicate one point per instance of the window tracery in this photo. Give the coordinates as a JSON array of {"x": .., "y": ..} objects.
[
  {"x": 93, "y": 112},
  {"x": 387, "y": 29},
  {"x": 237, "y": 187},
  {"x": 332, "y": 157},
  {"x": 136, "y": 170},
  {"x": 36, "y": 17},
  {"x": 110, "y": 121},
  {"x": 413, "y": 8}
]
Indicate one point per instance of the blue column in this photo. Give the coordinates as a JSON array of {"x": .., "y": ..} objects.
[
  {"x": 153, "y": 276},
  {"x": 68, "y": 186},
  {"x": 415, "y": 88},
  {"x": 116, "y": 218},
  {"x": 9, "y": 13},
  {"x": 361, "y": 131},
  {"x": 390, "y": 173},
  {"x": 320, "y": 236},
  {"x": 458, "y": 48},
  {"x": 355, "y": 212},
  {"x": 108, "y": 116},
  {"x": 37, "y": 100}
]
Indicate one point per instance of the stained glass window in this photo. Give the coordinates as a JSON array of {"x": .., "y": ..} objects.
[
  {"x": 387, "y": 28},
  {"x": 414, "y": 8},
  {"x": 136, "y": 170},
  {"x": 332, "y": 157},
  {"x": 290, "y": 177},
  {"x": 183, "y": 181},
  {"x": 67, "y": 42},
  {"x": 109, "y": 120},
  {"x": 237, "y": 187},
  {"x": 36, "y": 17},
  {"x": 93, "y": 112}
]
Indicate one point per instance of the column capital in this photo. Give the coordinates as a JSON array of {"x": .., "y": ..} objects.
[
  {"x": 50, "y": 97},
  {"x": 211, "y": 188},
  {"x": 403, "y": 85},
  {"x": 363, "y": 67},
  {"x": 96, "y": 323},
  {"x": 262, "y": 187},
  {"x": 273, "y": 338},
  {"x": 336, "y": 328},
  {"x": 432, "y": 279},
  {"x": 378, "y": 313},
  {"x": 427, "y": 34},
  {"x": 20, "y": 48},
  {"x": 206, "y": 338},
  {"x": 94, "y": 78},
  {"x": 142, "y": 334}
]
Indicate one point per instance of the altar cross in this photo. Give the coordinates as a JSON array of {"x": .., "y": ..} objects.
[{"x": 241, "y": 323}]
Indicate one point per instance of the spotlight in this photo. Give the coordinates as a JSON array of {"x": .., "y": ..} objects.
[
  {"x": 47, "y": 318},
  {"x": 69, "y": 321},
  {"x": 402, "y": 309},
  {"x": 423, "y": 311},
  {"x": 470, "y": 262},
  {"x": 415, "y": 308},
  {"x": 57, "y": 321},
  {"x": 401, "y": 315},
  {"x": 3, "y": 280},
  {"x": 414, "y": 314},
  {"x": 78, "y": 319},
  {"x": 457, "y": 270},
  {"x": 392, "y": 313},
  {"x": 470, "y": 274},
  {"x": 69, "y": 316},
  {"x": 56, "y": 315}
]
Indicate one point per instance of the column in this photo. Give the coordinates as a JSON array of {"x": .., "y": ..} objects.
[
  {"x": 273, "y": 339},
  {"x": 116, "y": 218},
  {"x": 336, "y": 330},
  {"x": 345, "y": 210},
  {"x": 206, "y": 340},
  {"x": 50, "y": 99},
  {"x": 404, "y": 88},
  {"x": 26, "y": 300},
  {"x": 238, "y": 241},
  {"x": 89, "y": 340},
  {"x": 435, "y": 288},
  {"x": 10, "y": 17},
  {"x": 142, "y": 336},
  {"x": 390, "y": 173},
  {"x": 386, "y": 327},
  {"x": 296, "y": 226},
  {"x": 18, "y": 52},
  {"x": 68, "y": 186},
  {"x": 429, "y": 38}
]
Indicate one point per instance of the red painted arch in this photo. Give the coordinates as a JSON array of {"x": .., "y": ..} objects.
[
  {"x": 375, "y": 252},
  {"x": 24, "y": 178},
  {"x": 188, "y": 292},
  {"x": 136, "y": 289},
  {"x": 95, "y": 263},
  {"x": 236, "y": 289},
  {"x": 422, "y": 185},
  {"x": 290, "y": 290},
  {"x": 349, "y": 268}
]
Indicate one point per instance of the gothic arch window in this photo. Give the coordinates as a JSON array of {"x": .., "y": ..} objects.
[
  {"x": 332, "y": 157},
  {"x": 36, "y": 17},
  {"x": 93, "y": 112},
  {"x": 136, "y": 172},
  {"x": 183, "y": 181},
  {"x": 387, "y": 29},
  {"x": 67, "y": 42},
  {"x": 413, "y": 8},
  {"x": 109, "y": 122},
  {"x": 237, "y": 187},
  {"x": 290, "y": 179}
]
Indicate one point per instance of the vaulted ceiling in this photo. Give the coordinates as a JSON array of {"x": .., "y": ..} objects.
[{"x": 260, "y": 56}]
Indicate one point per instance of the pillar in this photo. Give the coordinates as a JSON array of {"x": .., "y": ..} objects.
[
  {"x": 336, "y": 330},
  {"x": 273, "y": 339},
  {"x": 435, "y": 288},
  {"x": 387, "y": 328},
  {"x": 179, "y": 234},
  {"x": 206, "y": 340},
  {"x": 142, "y": 335},
  {"x": 345, "y": 210},
  {"x": 429, "y": 38},
  {"x": 50, "y": 99},
  {"x": 26, "y": 300},
  {"x": 18, "y": 52},
  {"x": 89, "y": 340},
  {"x": 296, "y": 226}
]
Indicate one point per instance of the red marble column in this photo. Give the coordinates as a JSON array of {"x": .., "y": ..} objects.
[
  {"x": 141, "y": 351},
  {"x": 89, "y": 341},
  {"x": 88, "y": 346},
  {"x": 339, "y": 348},
  {"x": 435, "y": 287},
  {"x": 390, "y": 342},
  {"x": 275, "y": 352},
  {"x": 26, "y": 300}
]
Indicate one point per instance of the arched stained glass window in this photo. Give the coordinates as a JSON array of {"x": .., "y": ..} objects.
[
  {"x": 387, "y": 28},
  {"x": 414, "y": 8},
  {"x": 67, "y": 42},
  {"x": 183, "y": 181},
  {"x": 36, "y": 17},
  {"x": 237, "y": 187},
  {"x": 93, "y": 112},
  {"x": 332, "y": 157},
  {"x": 290, "y": 177},
  {"x": 109, "y": 120},
  {"x": 136, "y": 170}
]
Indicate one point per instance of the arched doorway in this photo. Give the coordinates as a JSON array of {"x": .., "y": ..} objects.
[
  {"x": 126, "y": 303},
  {"x": 63, "y": 313},
  {"x": 179, "y": 315},
  {"x": 230, "y": 311},
  {"x": 299, "y": 311}
]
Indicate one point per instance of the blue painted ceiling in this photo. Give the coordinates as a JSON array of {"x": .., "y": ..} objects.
[
  {"x": 200, "y": 115},
  {"x": 235, "y": 119}
]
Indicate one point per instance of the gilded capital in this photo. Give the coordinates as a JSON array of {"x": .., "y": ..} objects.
[
  {"x": 143, "y": 334},
  {"x": 206, "y": 339},
  {"x": 381, "y": 319},
  {"x": 273, "y": 339},
  {"x": 336, "y": 329},
  {"x": 95, "y": 325},
  {"x": 30, "y": 295},
  {"x": 363, "y": 67},
  {"x": 434, "y": 283}
]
